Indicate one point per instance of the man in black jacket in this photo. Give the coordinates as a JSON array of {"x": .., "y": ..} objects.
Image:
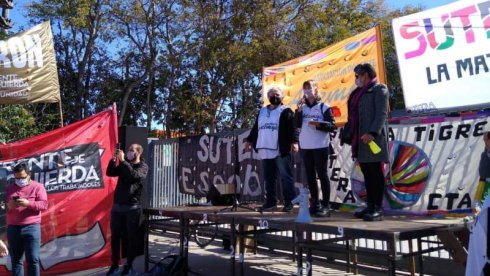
[
  {"x": 273, "y": 136},
  {"x": 126, "y": 210}
]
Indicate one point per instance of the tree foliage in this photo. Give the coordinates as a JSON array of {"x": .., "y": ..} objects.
[{"x": 188, "y": 65}]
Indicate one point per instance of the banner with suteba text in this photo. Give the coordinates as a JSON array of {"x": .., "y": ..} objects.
[
  {"x": 433, "y": 168},
  {"x": 444, "y": 57},
  {"x": 219, "y": 161},
  {"x": 331, "y": 67},
  {"x": 71, "y": 163},
  {"x": 223, "y": 162},
  {"x": 28, "y": 71}
]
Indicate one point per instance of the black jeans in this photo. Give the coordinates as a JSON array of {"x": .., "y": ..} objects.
[
  {"x": 374, "y": 181},
  {"x": 124, "y": 230},
  {"x": 316, "y": 162}
]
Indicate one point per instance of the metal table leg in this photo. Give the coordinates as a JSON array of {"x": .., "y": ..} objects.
[
  {"x": 184, "y": 242},
  {"x": 391, "y": 246},
  {"x": 421, "y": 257},
  {"x": 233, "y": 245},
  {"x": 412, "y": 258},
  {"x": 241, "y": 256},
  {"x": 309, "y": 258},
  {"x": 146, "y": 241},
  {"x": 299, "y": 255}
]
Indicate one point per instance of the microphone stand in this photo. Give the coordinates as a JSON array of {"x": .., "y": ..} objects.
[{"x": 236, "y": 166}]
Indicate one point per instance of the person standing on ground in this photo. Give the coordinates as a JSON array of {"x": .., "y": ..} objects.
[
  {"x": 273, "y": 136},
  {"x": 315, "y": 121},
  {"x": 26, "y": 199},
  {"x": 367, "y": 121},
  {"x": 127, "y": 208}
]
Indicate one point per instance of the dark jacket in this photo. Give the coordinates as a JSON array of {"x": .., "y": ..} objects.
[
  {"x": 287, "y": 134},
  {"x": 131, "y": 184},
  {"x": 484, "y": 166},
  {"x": 373, "y": 114}
]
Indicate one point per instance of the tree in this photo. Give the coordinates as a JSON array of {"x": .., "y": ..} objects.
[
  {"x": 77, "y": 27},
  {"x": 190, "y": 65},
  {"x": 137, "y": 23},
  {"x": 17, "y": 123},
  {"x": 389, "y": 52}
]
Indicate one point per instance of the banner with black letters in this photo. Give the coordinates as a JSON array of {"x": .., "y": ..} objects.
[
  {"x": 434, "y": 166},
  {"x": 71, "y": 163},
  {"x": 28, "y": 72}
]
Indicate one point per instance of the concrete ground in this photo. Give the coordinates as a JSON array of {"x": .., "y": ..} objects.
[{"x": 215, "y": 261}]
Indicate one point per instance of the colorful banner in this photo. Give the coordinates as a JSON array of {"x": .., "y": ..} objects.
[
  {"x": 332, "y": 67},
  {"x": 443, "y": 57},
  {"x": 434, "y": 168},
  {"x": 71, "y": 163},
  {"x": 28, "y": 71}
]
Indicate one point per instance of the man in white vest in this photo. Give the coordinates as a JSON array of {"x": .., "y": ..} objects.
[{"x": 273, "y": 136}]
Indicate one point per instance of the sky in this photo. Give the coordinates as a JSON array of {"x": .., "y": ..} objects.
[
  {"x": 427, "y": 4},
  {"x": 18, "y": 13}
]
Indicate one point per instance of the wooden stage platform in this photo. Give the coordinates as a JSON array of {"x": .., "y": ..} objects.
[{"x": 341, "y": 226}]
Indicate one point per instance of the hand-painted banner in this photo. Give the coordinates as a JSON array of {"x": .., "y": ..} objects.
[
  {"x": 222, "y": 162},
  {"x": 215, "y": 161},
  {"x": 71, "y": 163},
  {"x": 434, "y": 168},
  {"x": 28, "y": 71},
  {"x": 444, "y": 56},
  {"x": 332, "y": 67}
]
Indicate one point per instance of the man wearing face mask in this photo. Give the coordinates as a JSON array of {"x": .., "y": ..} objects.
[
  {"x": 126, "y": 210},
  {"x": 273, "y": 136},
  {"x": 315, "y": 120},
  {"x": 26, "y": 199},
  {"x": 367, "y": 117}
]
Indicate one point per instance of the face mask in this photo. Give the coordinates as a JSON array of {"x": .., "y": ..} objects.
[
  {"x": 275, "y": 100},
  {"x": 308, "y": 93},
  {"x": 22, "y": 182},
  {"x": 131, "y": 155},
  {"x": 359, "y": 83}
]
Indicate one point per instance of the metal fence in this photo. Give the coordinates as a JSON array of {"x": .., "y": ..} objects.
[{"x": 164, "y": 189}]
